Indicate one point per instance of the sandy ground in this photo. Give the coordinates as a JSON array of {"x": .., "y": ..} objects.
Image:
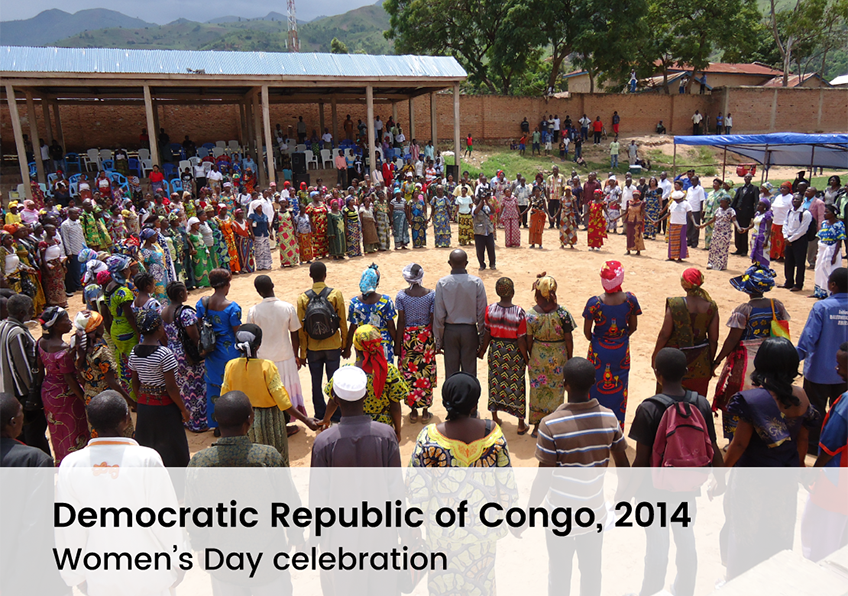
[{"x": 649, "y": 276}]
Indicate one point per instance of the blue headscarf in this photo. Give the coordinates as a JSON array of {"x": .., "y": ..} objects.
[
  {"x": 370, "y": 279},
  {"x": 756, "y": 280},
  {"x": 147, "y": 233},
  {"x": 117, "y": 264},
  {"x": 86, "y": 255}
]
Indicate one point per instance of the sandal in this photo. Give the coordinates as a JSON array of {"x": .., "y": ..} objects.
[
  {"x": 523, "y": 432},
  {"x": 292, "y": 429},
  {"x": 413, "y": 416},
  {"x": 426, "y": 417}
]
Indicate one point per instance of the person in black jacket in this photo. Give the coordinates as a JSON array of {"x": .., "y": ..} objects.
[{"x": 744, "y": 203}]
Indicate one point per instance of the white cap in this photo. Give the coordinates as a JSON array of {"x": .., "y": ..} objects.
[{"x": 350, "y": 383}]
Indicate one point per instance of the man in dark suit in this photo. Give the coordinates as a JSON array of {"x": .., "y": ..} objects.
[{"x": 744, "y": 203}]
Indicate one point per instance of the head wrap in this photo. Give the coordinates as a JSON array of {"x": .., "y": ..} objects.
[
  {"x": 85, "y": 322},
  {"x": 117, "y": 264},
  {"x": 768, "y": 186},
  {"x": 50, "y": 315},
  {"x": 11, "y": 228},
  {"x": 409, "y": 277},
  {"x": 546, "y": 286},
  {"x": 248, "y": 340},
  {"x": 767, "y": 203},
  {"x": 756, "y": 280},
  {"x": 678, "y": 194},
  {"x": 692, "y": 280},
  {"x": 147, "y": 233},
  {"x": 350, "y": 383},
  {"x": 334, "y": 203},
  {"x": 504, "y": 287},
  {"x": 612, "y": 274},
  {"x": 787, "y": 186},
  {"x": 103, "y": 277},
  {"x": 368, "y": 340},
  {"x": 460, "y": 394},
  {"x": 86, "y": 255},
  {"x": 192, "y": 221},
  {"x": 13, "y": 204},
  {"x": 148, "y": 319},
  {"x": 29, "y": 204},
  {"x": 369, "y": 280}
]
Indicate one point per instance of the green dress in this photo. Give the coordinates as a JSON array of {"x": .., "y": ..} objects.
[
  {"x": 336, "y": 234},
  {"x": 547, "y": 359},
  {"x": 123, "y": 335},
  {"x": 201, "y": 263}
]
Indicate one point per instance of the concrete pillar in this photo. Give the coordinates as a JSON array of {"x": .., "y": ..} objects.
[
  {"x": 320, "y": 119},
  {"x": 269, "y": 144},
  {"x": 411, "y": 118},
  {"x": 434, "y": 133},
  {"x": 456, "y": 133},
  {"x": 395, "y": 115},
  {"x": 153, "y": 132},
  {"x": 257, "y": 134},
  {"x": 19, "y": 139},
  {"x": 335, "y": 117},
  {"x": 372, "y": 148},
  {"x": 48, "y": 124},
  {"x": 33, "y": 137},
  {"x": 60, "y": 135}
]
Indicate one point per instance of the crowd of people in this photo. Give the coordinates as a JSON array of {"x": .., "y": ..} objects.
[{"x": 208, "y": 366}]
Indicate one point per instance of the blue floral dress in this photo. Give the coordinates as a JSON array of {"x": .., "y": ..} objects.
[
  {"x": 378, "y": 315},
  {"x": 441, "y": 221},
  {"x": 222, "y": 322}
]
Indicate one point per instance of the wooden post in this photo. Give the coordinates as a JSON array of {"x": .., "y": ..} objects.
[
  {"x": 372, "y": 148},
  {"x": 335, "y": 117},
  {"x": 269, "y": 145},
  {"x": 19, "y": 139},
  {"x": 411, "y": 118},
  {"x": 724, "y": 163},
  {"x": 257, "y": 134},
  {"x": 674, "y": 162},
  {"x": 48, "y": 125},
  {"x": 34, "y": 138},
  {"x": 242, "y": 133},
  {"x": 60, "y": 135},
  {"x": 320, "y": 118},
  {"x": 456, "y": 136},
  {"x": 434, "y": 133},
  {"x": 248, "y": 115},
  {"x": 153, "y": 132}
]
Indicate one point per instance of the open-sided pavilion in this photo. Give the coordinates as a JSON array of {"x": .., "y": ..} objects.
[{"x": 252, "y": 80}]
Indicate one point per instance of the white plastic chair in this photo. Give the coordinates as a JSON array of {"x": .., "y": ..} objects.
[
  {"x": 221, "y": 144},
  {"x": 398, "y": 164},
  {"x": 326, "y": 157},
  {"x": 92, "y": 156},
  {"x": 300, "y": 148},
  {"x": 143, "y": 154},
  {"x": 310, "y": 158},
  {"x": 217, "y": 152},
  {"x": 233, "y": 146},
  {"x": 185, "y": 163},
  {"x": 207, "y": 166},
  {"x": 146, "y": 166},
  {"x": 201, "y": 152},
  {"x": 105, "y": 154},
  {"x": 21, "y": 191},
  {"x": 194, "y": 160}
]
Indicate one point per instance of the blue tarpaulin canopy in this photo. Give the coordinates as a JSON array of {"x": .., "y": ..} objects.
[{"x": 781, "y": 148}]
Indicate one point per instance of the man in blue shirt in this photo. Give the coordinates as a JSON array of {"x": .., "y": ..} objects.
[
  {"x": 686, "y": 179},
  {"x": 825, "y": 331}
]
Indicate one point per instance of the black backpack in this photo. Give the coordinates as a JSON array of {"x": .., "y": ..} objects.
[
  {"x": 320, "y": 320},
  {"x": 207, "y": 342},
  {"x": 190, "y": 348}
]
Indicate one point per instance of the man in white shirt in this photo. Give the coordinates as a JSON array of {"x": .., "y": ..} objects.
[
  {"x": 214, "y": 178},
  {"x": 522, "y": 196},
  {"x": 696, "y": 122},
  {"x": 798, "y": 222},
  {"x": 280, "y": 340},
  {"x": 556, "y": 128},
  {"x": 73, "y": 241},
  {"x": 378, "y": 127},
  {"x": 115, "y": 471},
  {"x": 327, "y": 139},
  {"x": 695, "y": 196}
]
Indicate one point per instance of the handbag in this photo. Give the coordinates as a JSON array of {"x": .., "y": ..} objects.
[
  {"x": 189, "y": 347},
  {"x": 207, "y": 342},
  {"x": 778, "y": 328}
]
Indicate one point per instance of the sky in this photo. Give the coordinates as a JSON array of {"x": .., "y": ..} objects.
[{"x": 165, "y": 11}]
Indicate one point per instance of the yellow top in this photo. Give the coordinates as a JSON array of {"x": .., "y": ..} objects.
[
  {"x": 335, "y": 342},
  {"x": 259, "y": 380},
  {"x": 13, "y": 218}
]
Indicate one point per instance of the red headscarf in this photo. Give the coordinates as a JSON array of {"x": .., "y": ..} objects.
[
  {"x": 368, "y": 340},
  {"x": 612, "y": 275}
]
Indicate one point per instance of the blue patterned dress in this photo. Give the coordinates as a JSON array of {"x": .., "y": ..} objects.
[
  {"x": 441, "y": 221},
  {"x": 222, "y": 322},
  {"x": 378, "y": 315}
]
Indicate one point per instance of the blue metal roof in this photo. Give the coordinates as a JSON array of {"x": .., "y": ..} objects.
[{"x": 118, "y": 61}]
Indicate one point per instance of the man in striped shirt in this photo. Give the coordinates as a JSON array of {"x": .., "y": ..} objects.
[{"x": 579, "y": 434}]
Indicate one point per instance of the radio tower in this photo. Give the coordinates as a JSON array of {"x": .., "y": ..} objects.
[{"x": 293, "y": 42}]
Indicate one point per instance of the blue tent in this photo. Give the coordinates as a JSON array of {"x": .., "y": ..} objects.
[{"x": 781, "y": 148}]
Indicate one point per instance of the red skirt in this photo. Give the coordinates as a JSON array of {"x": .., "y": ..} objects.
[{"x": 778, "y": 242}]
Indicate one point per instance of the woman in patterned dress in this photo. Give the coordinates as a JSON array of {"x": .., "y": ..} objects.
[
  {"x": 760, "y": 241},
  {"x": 244, "y": 241},
  {"x": 722, "y": 223},
  {"x": 122, "y": 326},
  {"x": 510, "y": 217},
  {"x": 261, "y": 229},
  {"x": 52, "y": 261},
  {"x": 463, "y": 216},
  {"x": 370, "y": 238},
  {"x": 304, "y": 236},
  {"x": 64, "y": 402},
  {"x": 711, "y": 204},
  {"x": 219, "y": 245},
  {"x": 152, "y": 256},
  {"x": 372, "y": 308},
  {"x": 597, "y": 227},
  {"x": 538, "y": 217},
  {"x": 830, "y": 235},
  {"x": 415, "y": 344},
  {"x": 384, "y": 224},
  {"x": 609, "y": 321},
  {"x": 286, "y": 237},
  {"x": 550, "y": 345},
  {"x": 353, "y": 228},
  {"x": 317, "y": 212},
  {"x": 200, "y": 260},
  {"x": 440, "y": 216},
  {"x": 568, "y": 225},
  {"x": 225, "y": 224},
  {"x": 653, "y": 206},
  {"x": 505, "y": 338},
  {"x": 417, "y": 214},
  {"x": 634, "y": 219}
]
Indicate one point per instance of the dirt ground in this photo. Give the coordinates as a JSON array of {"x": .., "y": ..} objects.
[{"x": 649, "y": 276}]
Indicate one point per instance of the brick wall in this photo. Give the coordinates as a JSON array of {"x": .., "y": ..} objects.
[{"x": 754, "y": 110}]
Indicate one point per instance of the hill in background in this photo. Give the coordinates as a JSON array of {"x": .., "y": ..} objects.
[{"x": 55, "y": 24}]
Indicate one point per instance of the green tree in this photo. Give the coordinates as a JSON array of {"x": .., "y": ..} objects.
[
  {"x": 338, "y": 47},
  {"x": 795, "y": 28}
]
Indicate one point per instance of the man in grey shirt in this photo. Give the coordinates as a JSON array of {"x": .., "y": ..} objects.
[
  {"x": 458, "y": 316},
  {"x": 357, "y": 441}
]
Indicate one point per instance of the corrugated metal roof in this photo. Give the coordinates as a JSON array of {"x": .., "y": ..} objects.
[{"x": 118, "y": 61}]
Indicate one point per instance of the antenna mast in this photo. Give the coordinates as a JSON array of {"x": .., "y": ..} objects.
[{"x": 293, "y": 42}]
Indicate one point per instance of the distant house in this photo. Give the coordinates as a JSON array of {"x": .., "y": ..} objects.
[
  {"x": 717, "y": 74},
  {"x": 840, "y": 82}
]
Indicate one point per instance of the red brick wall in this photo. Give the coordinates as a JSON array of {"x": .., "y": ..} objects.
[{"x": 485, "y": 117}]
